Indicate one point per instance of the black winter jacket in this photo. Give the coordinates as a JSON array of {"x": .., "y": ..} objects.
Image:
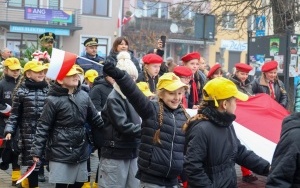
[
  {"x": 285, "y": 168},
  {"x": 212, "y": 149},
  {"x": 122, "y": 128},
  {"x": 7, "y": 86},
  {"x": 61, "y": 126},
  {"x": 99, "y": 92},
  {"x": 27, "y": 106},
  {"x": 151, "y": 81},
  {"x": 158, "y": 164},
  {"x": 259, "y": 85},
  {"x": 245, "y": 88},
  {"x": 112, "y": 58}
]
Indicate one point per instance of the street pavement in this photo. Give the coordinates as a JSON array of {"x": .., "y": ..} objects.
[{"x": 5, "y": 177}]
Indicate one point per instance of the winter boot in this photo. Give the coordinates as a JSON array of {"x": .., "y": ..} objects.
[
  {"x": 86, "y": 185},
  {"x": 15, "y": 174},
  {"x": 25, "y": 183},
  {"x": 95, "y": 185}
]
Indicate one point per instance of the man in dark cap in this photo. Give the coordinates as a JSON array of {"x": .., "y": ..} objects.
[
  {"x": 91, "y": 45},
  {"x": 46, "y": 40}
]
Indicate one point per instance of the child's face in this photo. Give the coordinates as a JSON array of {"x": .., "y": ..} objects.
[
  {"x": 70, "y": 81},
  {"x": 172, "y": 98},
  {"x": 153, "y": 69},
  {"x": 36, "y": 76},
  {"x": 12, "y": 73},
  {"x": 193, "y": 65},
  {"x": 271, "y": 75},
  {"x": 242, "y": 75}
]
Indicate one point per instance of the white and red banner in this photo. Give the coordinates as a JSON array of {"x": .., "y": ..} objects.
[
  {"x": 60, "y": 64},
  {"x": 27, "y": 173},
  {"x": 258, "y": 124}
]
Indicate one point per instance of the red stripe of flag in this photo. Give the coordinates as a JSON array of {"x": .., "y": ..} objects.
[{"x": 262, "y": 115}]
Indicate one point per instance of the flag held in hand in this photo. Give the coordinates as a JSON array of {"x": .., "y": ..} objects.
[
  {"x": 60, "y": 64},
  {"x": 27, "y": 173},
  {"x": 2, "y": 141}
]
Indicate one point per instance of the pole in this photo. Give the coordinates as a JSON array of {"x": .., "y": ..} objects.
[
  {"x": 287, "y": 62},
  {"x": 248, "y": 45},
  {"x": 90, "y": 61}
]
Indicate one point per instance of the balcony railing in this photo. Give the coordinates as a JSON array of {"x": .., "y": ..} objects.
[
  {"x": 185, "y": 27},
  {"x": 16, "y": 15}
]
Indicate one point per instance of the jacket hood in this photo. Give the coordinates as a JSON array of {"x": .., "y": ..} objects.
[{"x": 290, "y": 122}]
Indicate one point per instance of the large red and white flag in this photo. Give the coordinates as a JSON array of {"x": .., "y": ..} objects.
[
  {"x": 258, "y": 124},
  {"x": 60, "y": 64}
]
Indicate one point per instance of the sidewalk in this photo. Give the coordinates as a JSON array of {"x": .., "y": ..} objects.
[{"x": 5, "y": 177}]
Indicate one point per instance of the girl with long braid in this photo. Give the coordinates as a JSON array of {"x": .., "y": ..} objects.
[{"x": 160, "y": 158}]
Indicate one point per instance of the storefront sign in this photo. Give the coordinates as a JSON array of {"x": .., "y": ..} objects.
[
  {"x": 44, "y": 14},
  {"x": 234, "y": 45},
  {"x": 38, "y": 30}
]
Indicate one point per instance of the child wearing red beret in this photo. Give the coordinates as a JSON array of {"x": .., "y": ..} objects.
[
  {"x": 185, "y": 74},
  {"x": 215, "y": 71},
  {"x": 240, "y": 78},
  {"x": 197, "y": 64},
  {"x": 269, "y": 83},
  {"x": 152, "y": 63}
]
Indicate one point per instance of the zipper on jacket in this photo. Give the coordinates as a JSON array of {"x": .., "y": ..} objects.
[{"x": 172, "y": 145}]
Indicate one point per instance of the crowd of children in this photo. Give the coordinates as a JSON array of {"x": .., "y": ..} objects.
[{"x": 147, "y": 139}]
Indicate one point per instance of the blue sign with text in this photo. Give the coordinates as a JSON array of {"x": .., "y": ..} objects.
[
  {"x": 44, "y": 14},
  {"x": 38, "y": 30}
]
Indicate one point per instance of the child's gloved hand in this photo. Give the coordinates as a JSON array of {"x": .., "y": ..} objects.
[{"x": 111, "y": 70}]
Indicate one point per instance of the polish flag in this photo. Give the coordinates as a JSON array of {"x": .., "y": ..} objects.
[
  {"x": 258, "y": 124},
  {"x": 60, "y": 64},
  {"x": 126, "y": 20}
]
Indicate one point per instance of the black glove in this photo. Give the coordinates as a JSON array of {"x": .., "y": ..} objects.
[{"x": 111, "y": 70}]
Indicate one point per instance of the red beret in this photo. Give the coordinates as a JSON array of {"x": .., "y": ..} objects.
[
  {"x": 152, "y": 58},
  {"x": 243, "y": 67},
  {"x": 268, "y": 66},
  {"x": 190, "y": 56},
  {"x": 213, "y": 70},
  {"x": 183, "y": 71}
]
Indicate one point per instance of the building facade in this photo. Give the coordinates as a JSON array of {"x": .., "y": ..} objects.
[{"x": 21, "y": 21}]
